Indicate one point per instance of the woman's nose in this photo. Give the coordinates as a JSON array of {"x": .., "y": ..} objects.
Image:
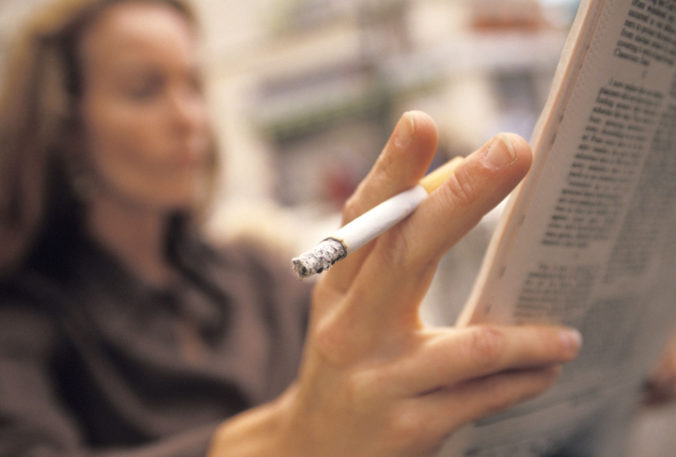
[{"x": 187, "y": 109}]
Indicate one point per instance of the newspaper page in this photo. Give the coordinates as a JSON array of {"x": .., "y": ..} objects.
[{"x": 588, "y": 238}]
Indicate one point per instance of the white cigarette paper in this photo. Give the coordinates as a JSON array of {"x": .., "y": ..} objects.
[
  {"x": 370, "y": 225},
  {"x": 379, "y": 219}
]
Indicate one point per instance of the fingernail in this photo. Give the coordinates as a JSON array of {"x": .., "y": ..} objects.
[
  {"x": 571, "y": 340},
  {"x": 500, "y": 153},
  {"x": 403, "y": 133}
]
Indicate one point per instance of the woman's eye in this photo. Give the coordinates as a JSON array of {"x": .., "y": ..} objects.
[{"x": 144, "y": 90}]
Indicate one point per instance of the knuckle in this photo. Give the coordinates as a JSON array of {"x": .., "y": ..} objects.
[
  {"x": 386, "y": 168},
  {"x": 329, "y": 339},
  {"x": 486, "y": 346},
  {"x": 394, "y": 248},
  {"x": 380, "y": 177},
  {"x": 337, "y": 338},
  {"x": 461, "y": 189}
]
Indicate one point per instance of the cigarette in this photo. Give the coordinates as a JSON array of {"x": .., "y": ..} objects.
[{"x": 370, "y": 225}]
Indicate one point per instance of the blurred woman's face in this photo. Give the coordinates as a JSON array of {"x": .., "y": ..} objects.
[{"x": 143, "y": 111}]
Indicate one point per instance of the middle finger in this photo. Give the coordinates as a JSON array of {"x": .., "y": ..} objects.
[{"x": 396, "y": 274}]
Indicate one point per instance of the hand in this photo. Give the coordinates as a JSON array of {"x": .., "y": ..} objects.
[{"x": 375, "y": 382}]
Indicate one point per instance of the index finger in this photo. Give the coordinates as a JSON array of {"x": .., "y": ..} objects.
[{"x": 400, "y": 165}]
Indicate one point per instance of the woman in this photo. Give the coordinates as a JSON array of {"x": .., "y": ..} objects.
[{"x": 123, "y": 333}]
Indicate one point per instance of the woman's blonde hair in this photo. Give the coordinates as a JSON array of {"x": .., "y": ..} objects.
[{"x": 38, "y": 97}]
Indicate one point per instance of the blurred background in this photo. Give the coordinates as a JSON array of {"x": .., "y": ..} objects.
[{"x": 304, "y": 94}]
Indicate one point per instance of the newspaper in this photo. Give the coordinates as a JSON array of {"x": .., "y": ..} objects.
[{"x": 588, "y": 238}]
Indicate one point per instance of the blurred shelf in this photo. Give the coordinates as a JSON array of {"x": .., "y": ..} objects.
[
  {"x": 289, "y": 105},
  {"x": 478, "y": 52}
]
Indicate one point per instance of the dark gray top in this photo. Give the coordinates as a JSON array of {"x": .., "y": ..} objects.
[{"x": 94, "y": 362}]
